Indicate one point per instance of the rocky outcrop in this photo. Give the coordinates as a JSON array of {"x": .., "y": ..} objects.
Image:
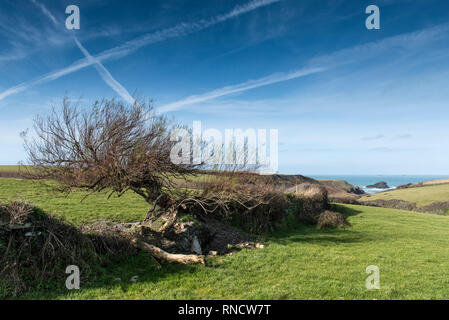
[
  {"x": 343, "y": 186},
  {"x": 379, "y": 185},
  {"x": 404, "y": 186}
]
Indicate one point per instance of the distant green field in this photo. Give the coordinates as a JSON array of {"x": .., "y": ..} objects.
[
  {"x": 127, "y": 208},
  {"x": 421, "y": 195},
  {"x": 9, "y": 168}
]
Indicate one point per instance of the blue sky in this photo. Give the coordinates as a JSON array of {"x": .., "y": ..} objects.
[{"x": 346, "y": 100}]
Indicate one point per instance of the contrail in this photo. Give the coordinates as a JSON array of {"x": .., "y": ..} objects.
[
  {"x": 128, "y": 47},
  {"x": 46, "y": 11},
  {"x": 274, "y": 78},
  {"x": 322, "y": 63},
  {"x": 106, "y": 75}
]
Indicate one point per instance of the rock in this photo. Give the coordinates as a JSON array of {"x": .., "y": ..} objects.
[
  {"x": 379, "y": 185},
  {"x": 259, "y": 246},
  {"x": 356, "y": 190},
  {"x": 196, "y": 247},
  {"x": 213, "y": 253},
  {"x": 134, "y": 278}
]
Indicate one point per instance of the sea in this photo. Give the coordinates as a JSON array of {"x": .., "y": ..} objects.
[{"x": 392, "y": 181}]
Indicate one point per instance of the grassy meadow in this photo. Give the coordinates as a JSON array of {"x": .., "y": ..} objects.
[
  {"x": 298, "y": 262},
  {"x": 420, "y": 195},
  {"x": 73, "y": 207},
  {"x": 9, "y": 169}
]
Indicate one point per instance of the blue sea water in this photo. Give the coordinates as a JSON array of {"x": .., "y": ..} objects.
[{"x": 393, "y": 181}]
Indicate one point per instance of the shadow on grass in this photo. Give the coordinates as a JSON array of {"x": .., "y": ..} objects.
[
  {"x": 299, "y": 232},
  {"x": 113, "y": 266},
  {"x": 117, "y": 276},
  {"x": 346, "y": 211}
]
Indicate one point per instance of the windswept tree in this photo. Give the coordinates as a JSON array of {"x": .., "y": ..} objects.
[
  {"x": 116, "y": 148},
  {"x": 110, "y": 147}
]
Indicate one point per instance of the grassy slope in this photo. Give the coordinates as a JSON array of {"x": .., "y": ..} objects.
[
  {"x": 420, "y": 195},
  {"x": 440, "y": 181},
  {"x": 411, "y": 250},
  {"x": 128, "y": 208}
]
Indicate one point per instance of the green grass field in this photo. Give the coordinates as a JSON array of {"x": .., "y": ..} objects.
[
  {"x": 127, "y": 208},
  {"x": 301, "y": 262},
  {"x": 9, "y": 168},
  {"x": 421, "y": 195}
]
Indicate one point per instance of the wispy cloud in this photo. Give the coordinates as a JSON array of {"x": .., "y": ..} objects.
[
  {"x": 377, "y": 137},
  {"x": 106, "y": 75},
  {"x": 322, "y": 63},
  {"x": 128, "y": 47},
  {"x": 45, "y": 11},
  {"x": 405, "y": 41},
  {"x": 180, "y": 30},
  {"x": 251, "y": 84},
  {"x": 24, "y": 37},
  {"x": 403, "y": 136},
  {"x": 381, "y": 136},
  {"x": 384, "y": 149}
]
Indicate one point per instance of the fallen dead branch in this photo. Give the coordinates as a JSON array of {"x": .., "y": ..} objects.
[{"x": 163, "y": 255}]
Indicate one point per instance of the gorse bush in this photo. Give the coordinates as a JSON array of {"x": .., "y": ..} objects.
[
  {"x": 308, "y": 201},
  {"x": 329, "y": 219},
  {"x": 265, "y": 215}
]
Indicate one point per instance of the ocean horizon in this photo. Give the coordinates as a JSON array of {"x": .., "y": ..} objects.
[{"x": 393, "y": 181}]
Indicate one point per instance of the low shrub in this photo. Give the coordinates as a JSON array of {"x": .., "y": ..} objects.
[
  {"x": 393, "y": 203},
  {"x": 330, "y": 219},
  {"x": 307, "y": 201},
  {"x": 436, "y": 208},
  {"x": 264, "y": 216},
  {"x": 36, "y": 248}
]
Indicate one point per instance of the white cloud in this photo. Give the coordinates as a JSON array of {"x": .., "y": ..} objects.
[{"x": 371, "y": 138}]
